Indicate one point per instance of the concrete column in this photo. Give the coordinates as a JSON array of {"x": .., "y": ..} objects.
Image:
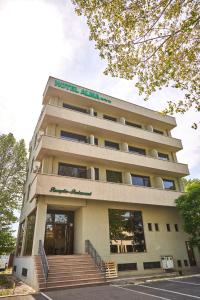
[
  {"x": 154, "y": 153},
  {"x": 91, "y": 111},
  {"x": 92, "y": 173},
  {"x": 100, "y": 115},
  {"x": 159, "y": 183},
  {"x": 40, "y": 223},
  {"x": 174, "y": 156},
  {"x": 181, "y": 185},
  {"x": 149, "y": 128},
  {"x": 92, "y": 139},
  {"x": 122, "y": 120},
  {"x": 24, "y": 237},
  {"x": 128, "y": 179},
  {"x": 124, "y": 147}
]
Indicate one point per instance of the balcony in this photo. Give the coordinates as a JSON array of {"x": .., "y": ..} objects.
[
  {"x": 105, "y": 128},
  {"x": 93, "y": 154},
  {"x": 77, "y": 188}
]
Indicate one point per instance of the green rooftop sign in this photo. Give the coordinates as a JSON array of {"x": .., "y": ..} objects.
[
  {"x": 73, "y": 191},
  {"x": 82, "y": 91}
]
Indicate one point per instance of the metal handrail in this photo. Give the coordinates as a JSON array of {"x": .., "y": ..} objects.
[
  {"x": 89, "y": 248},
  {"x": 44, "y": 261}
]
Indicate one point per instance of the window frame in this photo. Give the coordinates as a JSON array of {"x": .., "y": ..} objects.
[
  {"x": 142, "y": 177},
  {"x": 165, "y": 180},
  {"x": 61, "y": 164},
  {"x": 114, "y": 172},
  {"x": 137, "y": 150},
  {"x": 114, "y": 147}
]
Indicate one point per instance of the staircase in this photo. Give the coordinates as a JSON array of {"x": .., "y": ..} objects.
[{"x": 68, "y": 271}]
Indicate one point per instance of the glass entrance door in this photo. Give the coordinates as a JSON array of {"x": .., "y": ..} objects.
[{"x": 59, "y": 233}]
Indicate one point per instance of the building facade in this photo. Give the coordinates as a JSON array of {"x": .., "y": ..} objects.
[{"x": 104, "y": 170}]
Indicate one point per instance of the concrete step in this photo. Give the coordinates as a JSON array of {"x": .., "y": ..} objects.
[
  {"x": 74, "y": 277},
  {"x": 73, "y": 282},
  {"x": 45, "y": 288}
]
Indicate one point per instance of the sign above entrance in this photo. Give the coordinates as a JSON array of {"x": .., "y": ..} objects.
[
  {"x": 73, "y": 191},
  {"x": 82, "y": 91}
]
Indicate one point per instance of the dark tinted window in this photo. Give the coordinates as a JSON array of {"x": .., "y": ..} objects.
[
  {"x": 80, "y": 109},
  {"x": 72, "y": 170},
  {"x": 169, "y": 184},
  {"x": 95, "y": 113},
  {"x": 136, "y": 150},
  {"x": 96, "y": 141},
  {"x": 112, "y": 145},
  {"x": 113, "y": 176},
  {"x": 150, "y": 226},
  {"x": 96, "y": 170},
  {"x": 163, "y": 156},
  {"x": 133, "y": 124},
  {"x": 110, "y": 118},
  {"x": 140, "y": 180},
  {"x": 176, "y": 227},
  {"x": 73, "y": 136},
  {"x": 179, "y": 263},
  {"x": 156, "y": 227},
  {"x": 158, "y": 131},
  {"x": 127, "y": 267},
  {"x": 126, "y": 231},
  {"x": 152, "y": 265},
  {"x": 168, "y": 227}
]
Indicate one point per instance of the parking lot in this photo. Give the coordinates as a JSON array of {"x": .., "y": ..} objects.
[{"x": 184, "y": 288}]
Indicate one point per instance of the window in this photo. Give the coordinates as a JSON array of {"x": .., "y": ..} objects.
[
  {"x": 136, "y": 150},
  {"x": 126, "y": 231},
  {"x": 133, "y": 124},
  {"x": 113, "y": 176},
  {"x": 168, "y": 227},
  {"x": 140, "y": 180},
  {"x": 156, "y": 227},
  {"x": 150, "y": 226},
  {"x": 96, "y": 141},
  {"x": 176, "y": 227},
  {"x": 185, "y": 263},
  {"x": 158, "y": 131},
  {"x": 24, "y": 272},
  {"x": 95, "y": 113},
  {"x": 30, "y": 228},
  {"x": 20, "y": 238},
  {"x": 73, "y": 136},
  {"x": 163, "y": 156},
  {"x": 111, "y": 145},
  {"x": 152, "y": 265},
  {"x": 110, "y": 118},
  {"x": 169, "y": 184},
  {"x": 76, "y": 108},
  {"x": 72, "y": 170},
  {"x": 179, "y": 263},
  {"x": 127, "y": 267},
  {"x": 96, "y": 171}
]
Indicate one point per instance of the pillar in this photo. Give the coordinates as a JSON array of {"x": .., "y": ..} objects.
[
  {"x": 91, "y": 111},
  {"x": 122, "y": 120},
  {"x": 149, "y": 128},
  {"x": 40, "y": 223},
  {"x": 92, "y": 173},
  {"x": 154, "y": 153},
  {"x": 24, "y": 236},
  {"x": 128, "y": 178},
  {"x": 159, "y": 183},
  {"x": 124, "y": 147},
  {"x": 92, "y": 139},
  {"x": 181, "y": 185}
]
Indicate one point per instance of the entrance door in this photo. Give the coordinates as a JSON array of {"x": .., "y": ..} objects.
[
  {"x": 59, "y": 233},
  {"x": 191, "y": 256}
]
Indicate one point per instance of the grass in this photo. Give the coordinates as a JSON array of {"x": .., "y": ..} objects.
[{"x": 6, "y": 286}]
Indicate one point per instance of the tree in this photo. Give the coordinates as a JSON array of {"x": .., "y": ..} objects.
[
  {"x": 155, "y": 42},
  {"x": 12, "y": 178},
  {"x": 191, "y": 184},
  {"x": 189, "y": 208}
]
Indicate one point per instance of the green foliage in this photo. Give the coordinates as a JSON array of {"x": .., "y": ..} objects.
[
  {"x": 155, "y": 42},
  {"x": 189, "y": 208},
  {"x": 12, "y": 178},
  {"x": 191, "y": 184}
]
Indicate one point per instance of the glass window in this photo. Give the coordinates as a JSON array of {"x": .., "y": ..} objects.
[
  {"x": 73, "y": 136},
  {"x": 20, "y": 238},
  {"x": 150, "y": 226},
  {"x": 72, "y": 170},
  {"x": 126, "y": 231},
  {"x": 156, "y": 227},
  {"x": 111, "y": 145},
  {"x": 140, "y": 180},
  {"x": 158, "y": 131},
  {"x": 80, "y": 109},
  {"x": 113, "y": 176},
  {"x": 169, "y": 184},
  {"x": 168, "y": 227},
  {"x": 96, "y": 141},
  {"x": 29, "y": 233},
  {"x": 133, "y": 124},
  {"x": 95, "y": 113},
  {"x": 136, "y": 150},
  {"x": 96, "y": 170},
  {"x": 176, "y": 227},
  {"x": 163, "y": 156},
  {"x": 110, "y": 118}
]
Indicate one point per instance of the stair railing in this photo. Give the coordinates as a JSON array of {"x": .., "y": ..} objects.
[
  {"x": 42, "y": 254},
  {"x": 89, "y": 248}
]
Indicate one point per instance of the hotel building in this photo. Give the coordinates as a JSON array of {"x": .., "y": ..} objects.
[{"x": 102, "y": 172}]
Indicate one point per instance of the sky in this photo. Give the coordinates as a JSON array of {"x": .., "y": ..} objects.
[{"x": 40, "y": 38}]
